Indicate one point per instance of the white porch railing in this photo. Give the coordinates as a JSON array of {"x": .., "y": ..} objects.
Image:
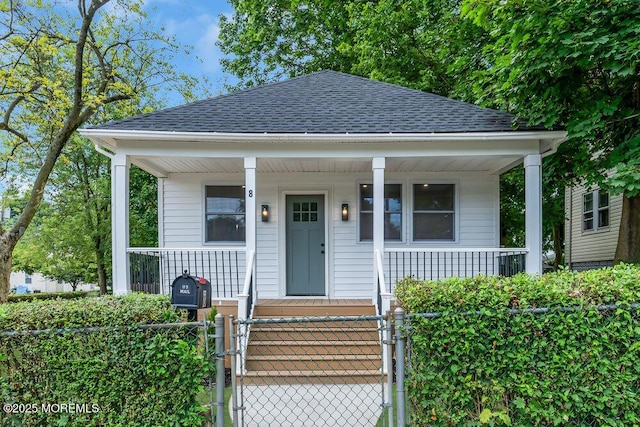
[
  {"x": 434, "y": 264},
  {"x": 152, "y": 270}
]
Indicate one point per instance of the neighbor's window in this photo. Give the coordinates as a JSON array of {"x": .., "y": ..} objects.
[
  {"x": 595, "y": 205},
  {"x": 434, "y": 212},
  {"x": 225, "y": 213},
  {"x": 392, "y": 212}
]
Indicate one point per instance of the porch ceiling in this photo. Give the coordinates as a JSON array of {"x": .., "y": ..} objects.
[{"x": 162, "y": 166}]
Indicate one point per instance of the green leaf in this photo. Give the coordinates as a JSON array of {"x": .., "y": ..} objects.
[{"x": 485, "y": 416}]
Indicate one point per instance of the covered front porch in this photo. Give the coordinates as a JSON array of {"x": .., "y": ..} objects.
[{"x": 353, "y": 267}]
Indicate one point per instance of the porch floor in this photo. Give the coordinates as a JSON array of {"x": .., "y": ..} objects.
[
  {"x": 305, "y": 302},
  {"x": 313, "y": 307}
]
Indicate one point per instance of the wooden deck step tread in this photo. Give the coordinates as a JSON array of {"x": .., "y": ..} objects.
[
  {"x": 313, "y": 343},
  {"x": 340, "y": 357},
  {"x": 333, "y": 373}
]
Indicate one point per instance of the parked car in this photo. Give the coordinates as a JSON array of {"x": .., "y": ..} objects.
[{"x": 20, "y": 289}]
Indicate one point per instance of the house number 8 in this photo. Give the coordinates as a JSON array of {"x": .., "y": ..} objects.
[{"x": 250, "y": 193}]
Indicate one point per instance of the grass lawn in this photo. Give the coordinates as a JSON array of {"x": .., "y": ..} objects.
[
  {"x": 383, "y": 421},
  {"x": 203, "y": 399}
]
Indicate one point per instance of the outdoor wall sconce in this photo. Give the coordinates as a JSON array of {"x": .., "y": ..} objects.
[
  {"x": 265, "y": 213},
  {"x": 345, "y": 212}
]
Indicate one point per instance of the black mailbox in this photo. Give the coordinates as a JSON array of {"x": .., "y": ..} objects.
[{"x": 190, "y": 292}]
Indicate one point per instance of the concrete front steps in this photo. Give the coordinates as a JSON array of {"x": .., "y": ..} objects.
[{"x": 308, "y": 349}]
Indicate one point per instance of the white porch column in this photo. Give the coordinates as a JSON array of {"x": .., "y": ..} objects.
[
  {"x": 251, "y": 220},
  {"x": 250, "y": 202},
  {"x": 120, "y": 223},
  {"x": 533, "y": 212},
  {"x": 378, "y": 165}
]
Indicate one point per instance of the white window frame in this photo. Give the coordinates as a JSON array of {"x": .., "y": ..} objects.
[
  {"x": 595, "y": 211},
  {"x": 205, "y": 213},
  {"x": 403, "y": 198},
  {"x": 456, "y": 210}
]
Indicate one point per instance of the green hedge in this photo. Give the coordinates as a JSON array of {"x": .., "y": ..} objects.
[
  {"x": 48, "y": 295},
  {"x": 484, "y": 358},
  {"x": 117, "y": 374}
]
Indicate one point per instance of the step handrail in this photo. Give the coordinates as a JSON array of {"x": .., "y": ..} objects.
[
  {"x": 383, "y": 297},
  {"x": 247, "y": 296}
]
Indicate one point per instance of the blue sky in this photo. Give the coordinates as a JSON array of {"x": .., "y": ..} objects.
[{"x": 194, "y": 23}]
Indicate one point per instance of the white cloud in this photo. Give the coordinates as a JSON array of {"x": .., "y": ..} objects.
[
  {"x": 201, "y": 31},
  {"x": 206, "y": 49}
]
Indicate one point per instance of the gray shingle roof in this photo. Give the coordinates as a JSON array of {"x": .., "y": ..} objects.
[{"x": 326, "y": 102}]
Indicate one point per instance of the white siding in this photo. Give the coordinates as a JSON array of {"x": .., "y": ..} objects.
[
  {"x": 350, "y": 263},
  {"x": 39, "y": 283},
  {"x": 589, "y": 246}
]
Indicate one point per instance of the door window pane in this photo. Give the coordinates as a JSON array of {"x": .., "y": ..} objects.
[{"x": 305, "y": 212}]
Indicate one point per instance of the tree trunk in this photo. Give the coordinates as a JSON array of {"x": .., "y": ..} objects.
[
  {"x": 628, "y": 249},
  {"x": 558, "y": 244},
  {"x": 102, "y": 269},
  {"x": 6, "y": 260}
]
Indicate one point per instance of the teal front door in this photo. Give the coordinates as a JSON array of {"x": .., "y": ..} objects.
[{"x": 305, "y": 245}]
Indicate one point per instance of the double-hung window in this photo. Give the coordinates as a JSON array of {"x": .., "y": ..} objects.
[
  {"x": 392, "y": 212},
  {"x": 225, "y": 213},
  {"x": 595, "y": 210},
  {"x": 434, "y": 212}
]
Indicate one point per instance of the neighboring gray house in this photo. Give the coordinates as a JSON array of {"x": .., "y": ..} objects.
[
  {"x": 591, "y": 227},
  {"x": 327, "y": 186}
]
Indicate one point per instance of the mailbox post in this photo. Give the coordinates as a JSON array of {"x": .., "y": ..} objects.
[{"x": 191, "y": 293}]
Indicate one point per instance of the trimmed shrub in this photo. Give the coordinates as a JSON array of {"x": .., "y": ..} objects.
[
  {"x": 117, "y": 374},
  {"x": 486, "y": 356},
  {"x": 48, "y": 295}
]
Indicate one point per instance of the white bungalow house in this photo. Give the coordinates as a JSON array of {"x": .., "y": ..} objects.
[{"x": 326, "y": 186}]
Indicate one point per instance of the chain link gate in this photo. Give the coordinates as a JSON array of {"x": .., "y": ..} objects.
[{"x": 311, "y": 371}]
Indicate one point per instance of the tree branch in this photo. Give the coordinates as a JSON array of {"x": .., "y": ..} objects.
[{"x": 10, "y": 31}]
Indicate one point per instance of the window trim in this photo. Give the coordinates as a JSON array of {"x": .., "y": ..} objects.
[
  {"x": 403, "y": 217},
  {"x": 595, "y": 211},
  {"x": 456, "y": 211},
  {"x": 203, "y": 210}
]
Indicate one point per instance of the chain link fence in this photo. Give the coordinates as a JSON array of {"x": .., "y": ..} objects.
[
  {"x": 561, "y": 366},
  {"x": 155, "y": 374},
  {"x": 312, "y": 371}
]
